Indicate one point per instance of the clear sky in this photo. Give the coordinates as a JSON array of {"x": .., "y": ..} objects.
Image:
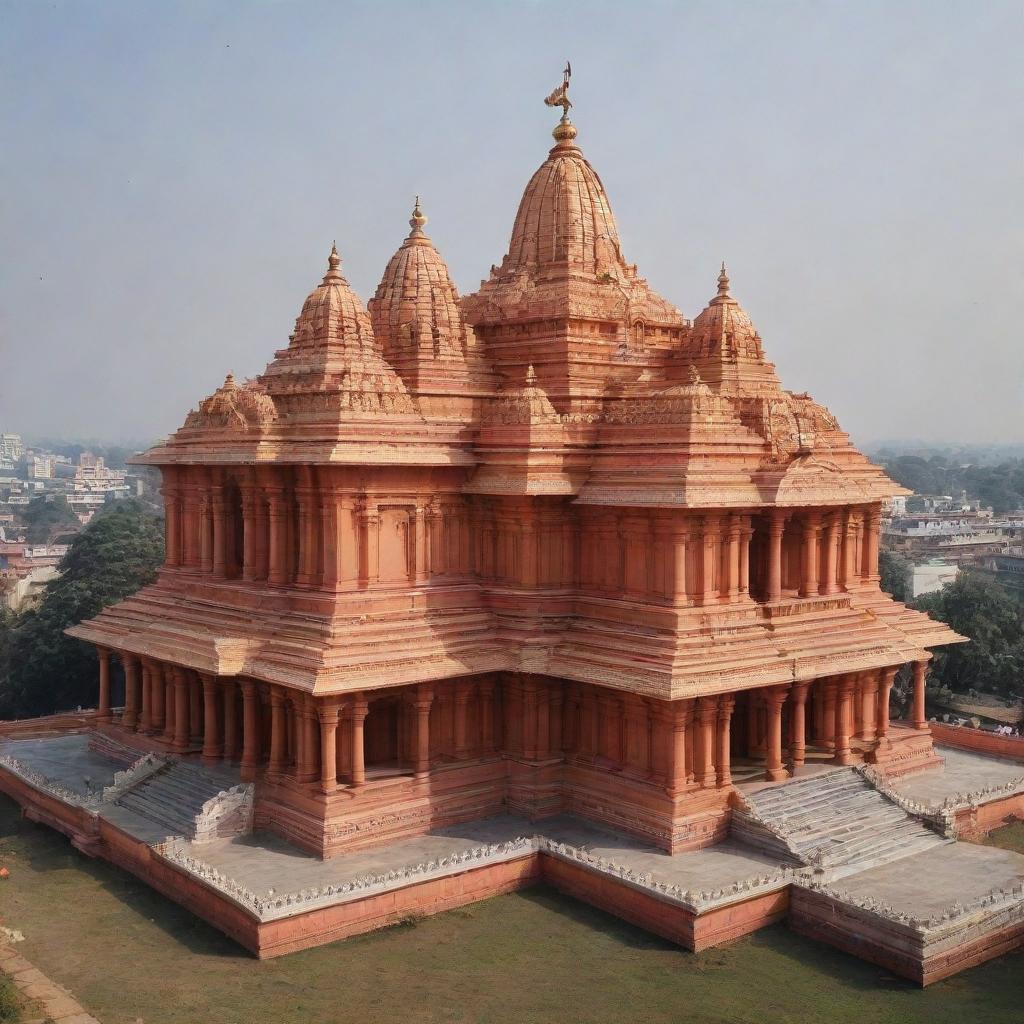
[{"x": 172, "y": 175}]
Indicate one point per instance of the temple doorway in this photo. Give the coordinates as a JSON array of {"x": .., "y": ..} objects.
[{"x": 382, "y": 742}]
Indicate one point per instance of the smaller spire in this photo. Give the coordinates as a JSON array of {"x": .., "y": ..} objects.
[
  {"x": 723, "y": 282},
  {"x": 229, "y": 382},
  {"x": 334, "y": 260},
  {"x": 417, "y": 220}
]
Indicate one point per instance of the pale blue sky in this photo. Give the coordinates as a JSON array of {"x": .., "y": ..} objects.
[{"x": 172, "y": 175}]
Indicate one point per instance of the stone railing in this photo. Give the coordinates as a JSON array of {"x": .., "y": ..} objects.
[
  {"x": 939, "y": 819},
  {"x": 277, "y": 904},
  {"x": 229, "y": 813},
  {"x": 985, "y": 795},
  {"x": 993, "y": 901},
  {"x": 60, "y": 792},
  {"x": 143, "y": 768}
]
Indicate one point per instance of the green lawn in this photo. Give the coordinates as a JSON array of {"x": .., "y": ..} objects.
[{"x": 528, "y": 958}]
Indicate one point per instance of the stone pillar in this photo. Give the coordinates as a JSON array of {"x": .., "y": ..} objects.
[
  {"x": 811, "y": 531},
  {"x": 746, "y": 534},
  {"x": 195, "y": 706},
  {"x": 463, "y": 693},
  {"x": 250, "y": 730},
  {"x": 775, "y": 699},
  {"x": 872, "y": 533},
  {"x": 327, "y": 712},
  {"x": 704, "y": 769},
  {"x": 170, "y": 703},
  {"x": 172, "y": 522},
  {"x": 776, "y": 528},
  {"x": 844, "y": 715},
  {"x": 710, "y": 543},
  {"x": 277, "y": 574},
  {"x": 219, "y": 528},
  {"x": 798, "y": 745},
  {"x": 918, "y": 718},
  {"x": 850, "y": 529},
  {"x": 181, "y": 710},
  {"x": 420, "y": 568},
  {"x": 206, "y": 533},
  {"x": 830, "y": 582},
  {"x": 680, "y": 713},
  {"x": 680, "y": 548},
  {"x": 229, "y": 696},
  {"x": 868, "y": 705},
  {"x": 103, "y": 704},
  {"x": 213, "y": 748},
  {"x": 829, "y": 689},
  {"x": 156, "y": 697},
  {"x": 278, "y": 732},
  {"x": 487, "y": 741},
  {"x": 731, "y": 589},
  {"x": 359, "y": 709},
  {"x": 424, "y": 699},
  {"x": 882, "y": 713},
  {"x": 726, "y": 703},
  {"x": 146, "y": 709},
  {"x": 131, "y": 690}
]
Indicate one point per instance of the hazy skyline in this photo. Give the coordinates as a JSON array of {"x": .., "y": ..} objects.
[{"x": 173, "y": 175}]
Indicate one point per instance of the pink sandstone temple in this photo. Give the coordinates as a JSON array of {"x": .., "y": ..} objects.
[{"x": 548, "y": 549}]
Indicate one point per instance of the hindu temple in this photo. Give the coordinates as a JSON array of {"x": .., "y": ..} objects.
[{"x": 550, "y": 553}]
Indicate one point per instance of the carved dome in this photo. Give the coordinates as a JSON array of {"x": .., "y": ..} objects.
[
  {"x": 723, "y": 329},
  {"x": 416, "y": 306},
  {"x": 564, "y": 216}
]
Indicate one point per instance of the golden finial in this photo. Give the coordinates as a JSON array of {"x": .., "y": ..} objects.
[
  {"x": 417, "y": 220},
  {"x": 334, "y": 260},
  {"x": 564, "y": 130},
  {"x": 723, "y": 282}
]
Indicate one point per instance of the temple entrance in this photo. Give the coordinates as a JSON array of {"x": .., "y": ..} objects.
[{"x": 382, "y": 740}]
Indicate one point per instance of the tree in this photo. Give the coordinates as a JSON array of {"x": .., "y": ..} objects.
[
  {"x": 895, "y": 571},
  {"x": 45, "y": 516},
  {"x": 979, "y": 608},
  {"x": 117, "y": 553}
]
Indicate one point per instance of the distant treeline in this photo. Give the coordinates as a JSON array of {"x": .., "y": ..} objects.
[{"x": 1000, "y": 485}]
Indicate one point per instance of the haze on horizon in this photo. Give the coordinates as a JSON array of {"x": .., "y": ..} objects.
[{"x": 174, "y": 174}]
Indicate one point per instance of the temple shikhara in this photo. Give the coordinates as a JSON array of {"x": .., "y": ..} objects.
[{"x": 513, "y": 578}]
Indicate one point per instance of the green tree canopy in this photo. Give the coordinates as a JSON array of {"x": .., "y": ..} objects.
[
  {"x": 46, "y": 516},
  {"x": 46, "y": 671},
  {"x": 979, "y": 608},
  {"x": 895, "y": 571}
]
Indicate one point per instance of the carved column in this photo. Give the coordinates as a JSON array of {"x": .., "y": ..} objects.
[
  {"x": 776, "y": 528},
  {"x": 829, "y": 690},
  {"x": 798, "y": 743},
  {"x": 873, "y": 529},
  {"x": 829, "y": 583},
  {"x": 746, "y": 534},
  {"x": 181, "y": 717},
  {"x": 131, "y": 690},
  {"x": 157, "y": 696},
  {"x": 850, "y": 529},
  {"x": 704, "y": 769},
  {"x": 103, "y": 704},
  {"x": 487, "y": 716},
  {"x": 731, "y": 589},
  {"x": 463, "y": 693},
  {"x": 882, "y": 714},
  {"x": 206, "y": 533},
  {"x": 308, "y": 513},
  {"x": 368, "y": 519},
  {"x": 424, "y": 699},
  {"x": 229, "y": 697},
  {"x": 328, "y": 715},
  {"x": 775, "y": 698},
  {"x": 212, "y": 746},
  {"x": 219, "y": 527},
  {"x": 710, "y": 541},
  {"x": 726, "y": 703},
  {"x": 554, "y": 744},
  {"x": 811, "y": 531},
  {"x": 195, "y": 706},
  {"x": 146, "y": 710},
  {"x": 680, "y": 549},
  {"x": 844, "y": 715},
  {"x": 869, "y": 705},
  {"x": 172, "y": 519},
  {"x": 278, "y": 732},
  {"x": 680, "y": 713},
  {"x": 250, "y": 730},
  {"x": 420, "y": 568},
  {"x": 919, "y": 720},
  {"x": 277, "y": 510},
  {"x": 358, "y": 712}
]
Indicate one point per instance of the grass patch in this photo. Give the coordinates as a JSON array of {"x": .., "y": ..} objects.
[
  {"x": 1007, "y": 837},
  {"x": 533, "y": 957},
  {"x": 11, "y": 1003}
]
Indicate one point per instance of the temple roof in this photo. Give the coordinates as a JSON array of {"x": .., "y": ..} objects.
[{"x": 418, "y": 323}]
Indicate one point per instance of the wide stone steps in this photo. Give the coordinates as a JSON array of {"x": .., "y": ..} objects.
[
  {"x": 174, "y": 796},
  {"x": 836, "y": 819}
]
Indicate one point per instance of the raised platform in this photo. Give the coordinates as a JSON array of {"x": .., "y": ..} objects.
[{"x": 927, "y": 910}]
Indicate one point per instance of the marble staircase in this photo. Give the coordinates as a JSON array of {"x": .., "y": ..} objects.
[
  {"x": 173, "y": 797},
  {"x": 833, "y": 820}
]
